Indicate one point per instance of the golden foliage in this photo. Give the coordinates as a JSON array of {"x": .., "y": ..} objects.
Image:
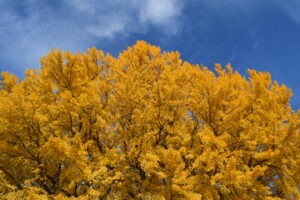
[{"x": 145, "y": 125}]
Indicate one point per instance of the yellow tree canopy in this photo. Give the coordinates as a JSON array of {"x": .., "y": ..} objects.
[{"x": 145, "y": 125}]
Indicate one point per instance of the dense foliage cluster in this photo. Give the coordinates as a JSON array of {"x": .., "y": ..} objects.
[{"x": 145, "y": 125}]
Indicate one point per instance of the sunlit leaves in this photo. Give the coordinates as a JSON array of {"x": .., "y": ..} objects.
[{"x": 145, "y": 125}]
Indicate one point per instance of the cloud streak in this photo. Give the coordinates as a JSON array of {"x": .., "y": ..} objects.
[
  {"x": 291, "y": 7},
  {"x": 30, "y": 28},
  {"x": 111, "y": 18}
]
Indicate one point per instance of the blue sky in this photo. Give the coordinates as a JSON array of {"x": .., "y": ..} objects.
[{"x": 257, "y": 34}]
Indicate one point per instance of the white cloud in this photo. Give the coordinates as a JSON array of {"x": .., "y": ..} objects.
[
  {"x": 161, "y": 13},
  {"x": 158, "y": 12},
  {"x": 109, "y": 18},
  {"x": 84, "y": 5},
  {"x": 30, "y": 28},
  {"x": 107, "y": 28},
  {"x": 33, "y": 36}
]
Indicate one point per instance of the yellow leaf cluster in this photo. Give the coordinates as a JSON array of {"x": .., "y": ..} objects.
[{"x": 145, "y": 125}]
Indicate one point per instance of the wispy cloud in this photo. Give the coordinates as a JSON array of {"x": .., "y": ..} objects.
[
  {"x": 29, "y": 28},
  {"x": 163, "y": 13},
  {"x": 291, "y": 7},
  {"x": 110, "y": 18}
]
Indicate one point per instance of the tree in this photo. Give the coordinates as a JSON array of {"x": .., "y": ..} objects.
[{"x": 145, "y": 125}]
